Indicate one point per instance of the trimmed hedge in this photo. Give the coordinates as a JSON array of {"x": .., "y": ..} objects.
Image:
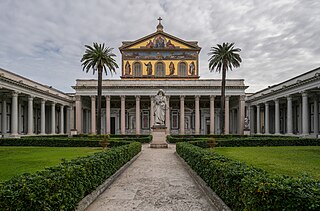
[
  {"x": 268, "y": 141},
  {"x": 244, "y": 187},
  {"x": 63, "y": 186},
  {"x": 67, "y": 142},
  {"x": 250, "y": 141}
]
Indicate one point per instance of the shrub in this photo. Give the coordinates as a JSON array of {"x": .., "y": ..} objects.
[
  {"x": 244, "y": 187},
  {"x": 68, "y": 142},
  {"x": 63, "y": 186}
]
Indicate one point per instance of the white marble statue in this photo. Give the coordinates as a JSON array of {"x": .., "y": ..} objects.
[
  {"x": 159, "y": 108},
  {"x": 246, "y": 123}
]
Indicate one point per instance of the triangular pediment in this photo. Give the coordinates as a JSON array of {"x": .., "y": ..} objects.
[{"x": 159, "y": 40}]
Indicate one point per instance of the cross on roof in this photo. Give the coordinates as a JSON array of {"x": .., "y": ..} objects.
[{"x": 159, "y": 19}]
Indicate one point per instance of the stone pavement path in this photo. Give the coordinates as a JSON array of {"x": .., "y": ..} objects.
[{"x": 157, "y": 180}]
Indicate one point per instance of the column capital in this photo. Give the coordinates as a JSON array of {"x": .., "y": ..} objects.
[
  {"x": 258, "y": 105},
  {"x": 93, "y": 97},
  {"x": 61, "y": 106},
  {"x": 123, "y": 97},
  {"x": 30, "y": 98},
  {"x": 168, "y": 97},
  {"x": 212, "y": 97},
  {"x": 78, "y": 97},
  {"x": 107, "y": 97},
  {"x": 276, "y": 100},
  {"x": 266, "y": 103},
  {"x": 289, "y": 97},
  {"x": 43, "y": 101},
  {"x": 68, "y": 108},
  {"x": 304, "y": 94},
  {"x": 53, "y": 103},
  {"x": 197, "y": 97},
  {"x": 138, "y": 97},
  {"x": 14, "y": 94},
  {"x": 182, "y": 97},
  {"x": 242, "y": 97},
  {"x": 227, "y": 98}
]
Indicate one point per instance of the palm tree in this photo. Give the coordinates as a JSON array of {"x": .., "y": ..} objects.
[
  {"x": 224, "y": 57},
  {"x": 98, "y": 57}
]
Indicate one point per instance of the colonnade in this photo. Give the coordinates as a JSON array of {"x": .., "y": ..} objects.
[
  {"x": 79, "y": 122},
  {"x": 15, "y": 115},
  {"x": 290, "y": 115}
]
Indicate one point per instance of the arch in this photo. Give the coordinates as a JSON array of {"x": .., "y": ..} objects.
[
  {"x": 182, "y": 69},
  {"x": 137, "y": 69},
  {"x": 160, "y": 70}
]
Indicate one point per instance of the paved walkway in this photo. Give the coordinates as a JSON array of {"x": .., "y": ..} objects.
[{"x": 157, "y": 180}]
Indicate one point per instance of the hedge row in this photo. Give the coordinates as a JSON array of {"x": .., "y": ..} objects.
[
  {"x": 63, "y": 186},
  {"x": 244, "y": 187},
  {"x": 251, "y": 141},
  {"x": 66, "y": 142},
  {"x": 268, "y": 141}
]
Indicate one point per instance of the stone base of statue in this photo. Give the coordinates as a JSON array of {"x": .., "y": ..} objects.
[
  {"x": 246, "y": 132},
  {"x": 159, "y": 137}
]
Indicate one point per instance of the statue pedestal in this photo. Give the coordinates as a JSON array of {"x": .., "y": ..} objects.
[
  {"x": 159, "y": 137},
  {"x": 246, "y": 132}
]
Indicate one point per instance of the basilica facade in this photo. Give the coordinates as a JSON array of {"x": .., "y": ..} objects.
[{"x": 159, "y": 61}]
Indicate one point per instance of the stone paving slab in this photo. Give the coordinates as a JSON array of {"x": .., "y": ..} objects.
[{"x": 157, "y": 180}]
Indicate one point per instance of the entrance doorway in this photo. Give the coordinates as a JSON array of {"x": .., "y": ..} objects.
[{"x": 113, "y": 125}]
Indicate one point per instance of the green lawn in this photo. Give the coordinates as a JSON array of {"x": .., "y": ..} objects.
[
  {"x": 290, "y": 160},
  {"x": 18, "y": 160}
]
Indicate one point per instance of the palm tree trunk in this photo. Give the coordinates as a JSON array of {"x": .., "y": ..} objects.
[
  {"x": 99, "y": 100},
  {"x": 223, "y": 88}
]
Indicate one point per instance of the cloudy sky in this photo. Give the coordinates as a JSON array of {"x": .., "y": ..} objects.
[{"x": 44, "y": 39}]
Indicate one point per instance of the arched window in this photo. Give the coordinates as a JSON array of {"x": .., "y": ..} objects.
[
  {"x": 182, "y": 69},
  {"x": 160, "y": 71},
  {"x": 137, "y": 70}
]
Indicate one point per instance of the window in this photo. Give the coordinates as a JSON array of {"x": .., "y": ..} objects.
[
  {"x": 145, "y": 119},
  {"x": 182, "y": 69},
  {"x": 174, "y": 120},
  {"x": 160, "y": 72},
  {"x": 137, "y": 70}
]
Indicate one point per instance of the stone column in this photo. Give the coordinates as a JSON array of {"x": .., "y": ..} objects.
[
  {"x": 276, "y": 117},
  {"x": 108, "y": 116},
  {"x": 315, "y": 116},
  {"x": 168, "y": 115},
  {"x": 152, "y": 111},
  {"x": 68, "y": 119},
  {"x": 251, "y": 119},
  {"x": 78, "y": 114},
  {"x": 4, "y": 117},
  {"x": 138, "y": 123},
  {"x": 53, "y": 118},
  {"x": 197, "y": 114},
  {"x": 241, "y": 114},
  {"x": 232, "y": 122},
  {"x": 14, "y": 114},
  {"x": 123, "y": 115},
  {"x": 258, "y": 120},
  {"x": 43, "y": 117},
  {"x": 61, "y": 119},
  {"x": 212, "y": 114},
  {"x": 266, "y": 119},
  {"x": 93, "y": 115},
  {"x": 72, "y": 117},
  {"x": 30, "y": 115},
  {"x": 181, "y": 115},
  {"x": 305, "y": 114},
  {"x": 226, "y": 115},
  {"x": 289, "y": 115}
]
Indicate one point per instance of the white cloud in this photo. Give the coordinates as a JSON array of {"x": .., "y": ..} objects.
[{"x": 44, "y": 39}]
